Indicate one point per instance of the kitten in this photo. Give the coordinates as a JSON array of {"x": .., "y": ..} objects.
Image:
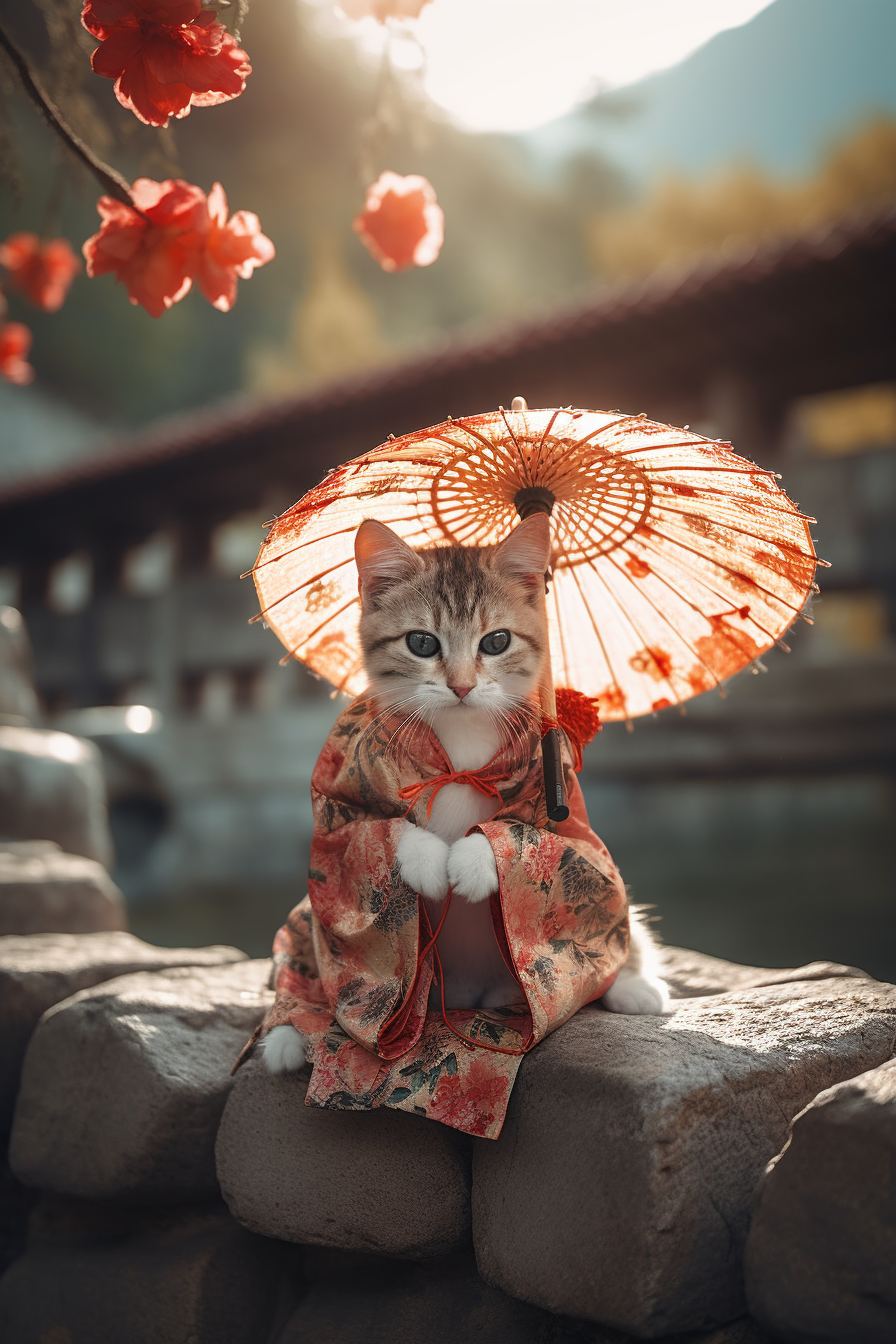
[{"x": 453, "y": 638}]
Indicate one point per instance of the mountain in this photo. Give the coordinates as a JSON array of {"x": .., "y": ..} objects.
[{"x": 777, "y": 92}]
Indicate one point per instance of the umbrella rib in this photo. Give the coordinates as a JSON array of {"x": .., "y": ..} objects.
[
  {"x": 272, "y": 560},
  {"x": 671, "y": 586},
  {"x": 611, "y": 424},
  {"x": 314, "y": 541},
  {"x": 733, "y": 572},
  {"x": 462, "y": 447},
  {"x": 666, "y": 620},
  {"x": 509, "y": 430},
  {"x": 315, "y": 578},
  {"x": 634, "y": 625},
  {"x": 603, "y": 648},
  {"x": 333, "y": 614},
  {"x": 541, "y": 442},
  {"x": 739, "y": 499},
  {"x": 693, "y": 607},
  {"x": 560, "y": 629},
  {"x": 731, "y": 527}
]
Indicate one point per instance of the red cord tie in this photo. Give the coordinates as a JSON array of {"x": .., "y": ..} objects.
[{"x": 413, "y": 792}]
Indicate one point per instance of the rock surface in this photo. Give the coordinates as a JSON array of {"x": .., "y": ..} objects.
[
  {"x": 52, "y": 787},
  {"x": 174, "y": 1276},
  {"x": 18, "y": 702},
  {"x": 821, "y": 1254},
  {"x": 124, "y": 1084},
  {"x": 620, "y": 1188},
  {"x": 374, "y": 1301},
  {"x": 691, "y": 975},
  {"x": 43, "y": 890},
  {"x": 369, "y": 1300},
  {"x": 38, "y": 971},
  {"x": 378, "y": 1181}
]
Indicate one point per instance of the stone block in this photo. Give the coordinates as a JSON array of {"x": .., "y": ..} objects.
[
  {"x": 43, "y": 890},
  {"x": 18, "y": 702},
  {"x": 821, "y": 1255},
  {"x": 174, "y": 1276},
  {"x": 378, "y": 1181},
  {"x": 124, "y": 1084},
  {"x": 43, "y": 969},
  {"x": 691, "y": 975},
  {"x": 620, "y": 1188},
  {"x": 372, "y": 1301},
  {"x": 52, "y": 787}
]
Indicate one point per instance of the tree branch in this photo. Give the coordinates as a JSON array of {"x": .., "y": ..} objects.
[{"x": 111, "y": 181}]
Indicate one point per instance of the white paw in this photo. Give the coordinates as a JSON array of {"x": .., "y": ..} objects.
[
  {"x": 471, "y": 868},
  {"x": 636, "y": 994},
  {"x": 423, "y": 859},
  {"x": 285, "y": 1049}
]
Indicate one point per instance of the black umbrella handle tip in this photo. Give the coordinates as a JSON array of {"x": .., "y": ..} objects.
[{"x": 554, "y": 787}]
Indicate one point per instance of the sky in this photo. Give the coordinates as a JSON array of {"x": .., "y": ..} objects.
[{"x": 512, "y": 65}]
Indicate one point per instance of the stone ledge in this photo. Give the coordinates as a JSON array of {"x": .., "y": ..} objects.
[
  {"x": 368, "y": 1300},
  {"x": 174, "y": 1276},
  {"x": 693, "y": 975},
  {"x": 620, "y": 1188},
  {"x": 42, "y": 969},
  {"x": 377, "y": 1181},
  {"x": 43, "y": 890},
  {"x": 52, "y": 787},
  {"x": 821, "y": 1254},
  {"x": 124, "y": 1084}
]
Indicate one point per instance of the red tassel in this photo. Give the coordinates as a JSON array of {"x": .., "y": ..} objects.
[{"x": 578, "y": 715}]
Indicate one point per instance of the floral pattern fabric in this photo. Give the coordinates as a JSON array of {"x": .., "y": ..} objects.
[{"x": 354, "y": 963}]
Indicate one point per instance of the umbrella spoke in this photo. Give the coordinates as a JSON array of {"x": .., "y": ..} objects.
[{"x": 736, "y": 574}]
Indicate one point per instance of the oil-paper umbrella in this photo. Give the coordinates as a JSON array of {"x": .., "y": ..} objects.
[{"x": 675, "y": 562}]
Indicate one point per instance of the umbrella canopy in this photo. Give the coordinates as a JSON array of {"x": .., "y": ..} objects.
[{"x": 675, "y": 561}]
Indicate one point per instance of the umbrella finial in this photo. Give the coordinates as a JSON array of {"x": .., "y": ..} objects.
[{"x": 519, "y": 404}]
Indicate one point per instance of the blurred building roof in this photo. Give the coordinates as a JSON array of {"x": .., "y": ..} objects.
[{"x": 786, "y": 319}]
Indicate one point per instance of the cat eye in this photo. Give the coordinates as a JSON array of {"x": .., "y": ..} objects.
[
  {"x": 496, "y": 641},
  {"x": 422, "y": 643}
]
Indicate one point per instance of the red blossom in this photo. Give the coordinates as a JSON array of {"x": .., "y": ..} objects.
[
  {"x": 232, "y": 248},
  {"x": 42, "y": 272},
  {"x": 163, "y": 69},
  {"x": 153, "y": 257},
  {"x": 401, "y": 224},
  {"x": 15, "y": 342},
  {"x": 182, "y": 235},
  {"x": 102, "y": 17}
]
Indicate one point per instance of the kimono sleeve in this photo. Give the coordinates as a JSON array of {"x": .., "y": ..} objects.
[{"x": 366, "y": 927}]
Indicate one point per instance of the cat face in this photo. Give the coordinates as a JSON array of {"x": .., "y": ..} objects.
[{"x": 453, "y": 628}]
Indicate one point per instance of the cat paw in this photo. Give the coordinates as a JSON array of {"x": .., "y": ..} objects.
[
  {"x": 285, "y": 1049},
  {"x": 636, "y": 994},
  {"x": 423, "y": 860},
  {"x": 471, "y": 868}
]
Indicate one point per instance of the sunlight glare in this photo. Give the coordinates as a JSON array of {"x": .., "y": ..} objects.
[{"x": 511, "y": 65}]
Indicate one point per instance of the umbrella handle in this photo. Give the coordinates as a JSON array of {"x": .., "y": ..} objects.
[
  {"x": 540, "y": 500},
  {"x": 552, "y": 764}
]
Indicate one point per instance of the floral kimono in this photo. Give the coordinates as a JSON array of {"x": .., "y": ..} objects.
[{"x": 355, "y": 961}]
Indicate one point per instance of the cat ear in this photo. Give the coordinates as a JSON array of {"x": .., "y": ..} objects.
[
  {"x": 382, "y": 558},
  {"x": 526, "y": 553}
]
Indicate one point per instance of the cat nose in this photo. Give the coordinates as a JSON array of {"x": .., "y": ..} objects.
[{"x": 460, "y": 691}]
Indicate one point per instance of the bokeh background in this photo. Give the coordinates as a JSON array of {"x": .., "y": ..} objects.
[{"x": 691, "y": 216}]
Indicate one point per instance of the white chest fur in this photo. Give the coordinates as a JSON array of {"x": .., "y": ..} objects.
[{"x": 470, "y": 740}]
